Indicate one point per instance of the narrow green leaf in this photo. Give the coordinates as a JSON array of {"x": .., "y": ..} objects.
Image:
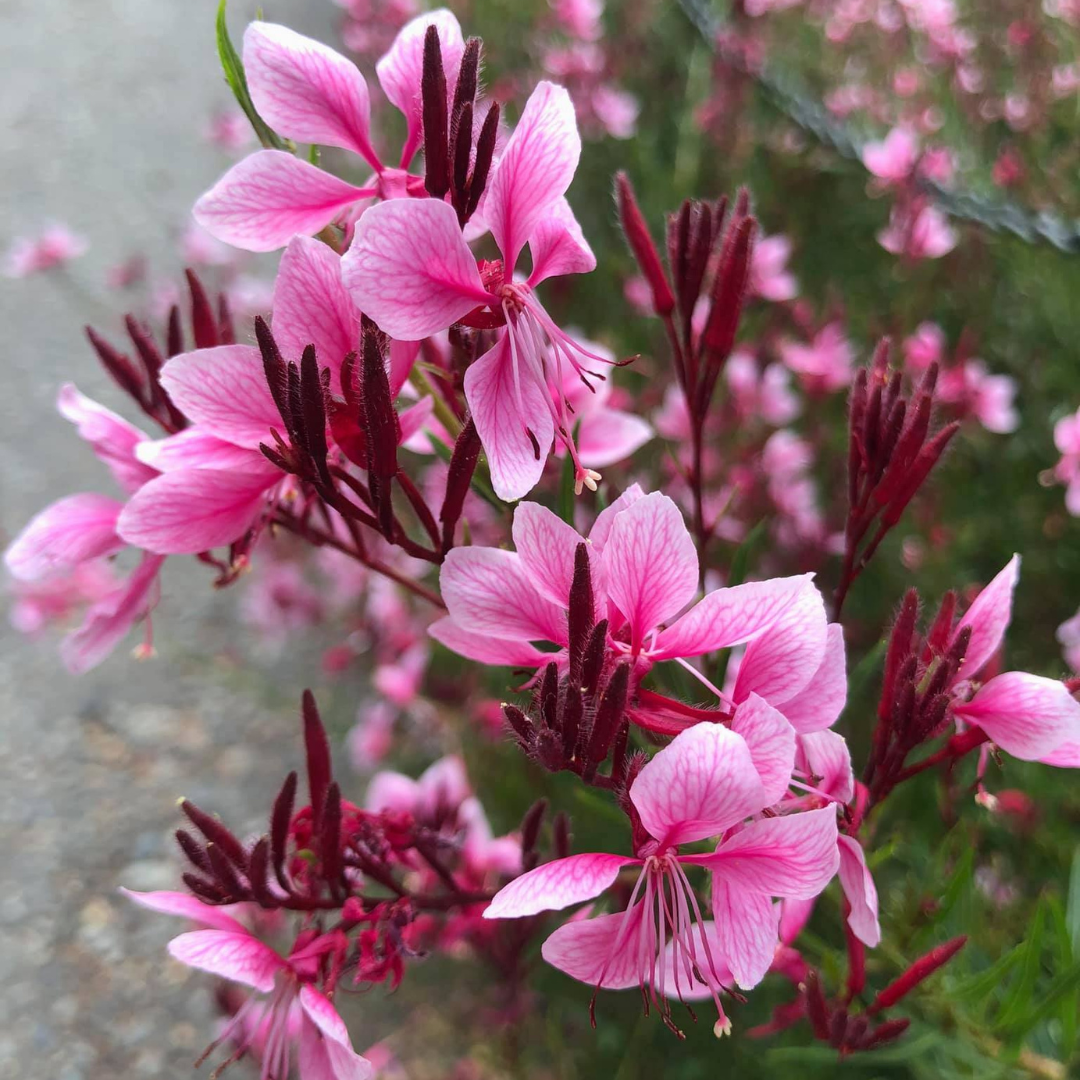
[
  {"x": 1072, "y": 905},
  {"x": 1018, "y": 1003},
  {"x": 1060, "y": 988},
  {"x": 566, "y": 490},
  {"x": 233, "y": 67},
  {"x": 959, "y": 883},
  {"x": 740, "y": 561},
  {"x": 986, "y": 982}
]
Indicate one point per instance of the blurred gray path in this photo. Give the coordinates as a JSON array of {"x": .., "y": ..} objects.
[{"x": 103, "y": 105}]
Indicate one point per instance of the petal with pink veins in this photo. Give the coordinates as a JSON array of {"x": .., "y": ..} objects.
[
  {"x": 488, "y": 591},
  {"x": 410, "y": 270},
  {"x": 313, "y": 307},
  {"x": 747, "y": 930},
  {"x": 650, "y": 564},
  {"x": 505, "y": 409},
  {"x": 193, "y": 448},
  {"x": 1028, "y": 716},
  {"x": 702, "y": 783},
  {"x": 262, "y": 202},
  {"x": 189, "y": 907},
  {"x": 858, "y": 885},
  {"x": 557, "y": 885},
  {"x": 558, "y": 246},
  {"x": 610, "y": 435},
  {"x": 820, "y": 702},
  {"x": 601, "y": 530},
  {"x": 780, "y": 662},
  {"x": 825, "y": 758},
  {"x": 306, "y": 91},
  {"x": 548, "y": 547},
  {"x": 332, "y": 1054},
  {"x": 403, "y": 355},
  {"x": 486, "y": 649},
  {"x": 771, "y": 741},
  {"x": 794, "y": 856},
  {"x": 413, "y": 419},
  {"x": 988, "y": 618},
  {"x": 536, "y": 167},
  {"x": 224, "y": 390},
  {"x": 239, "y": 957},
  {"x": 70, "y": 531},
  {"x": 585, "y": 949},
  {"x": 194, "y": 510},
  {"x": 727, "y": 617}
]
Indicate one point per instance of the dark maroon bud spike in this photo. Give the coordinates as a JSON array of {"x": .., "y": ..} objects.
[
  {"x": 204, "y": 890},
  {"x": 485, "y": 152},
  {"x": 280, "y": 819},
  {"x": 350, "y": 384},
  {"x": 816, "y": 1008},
  {"x": 276, "y": 459},
  {"x": 609, "y": 713},
  {"x": 549, "y": 697},
  {"x": 313, "y": 396},
  {"x": 697, "y": 262},
  {"x": 317, "y": 751},
  {"x": 117, "y": 365},
  {"x": 203, "y": 323},
  {"x": 580, "y": 617},
  {"x": 642, "y": 246},
  {"x": 274, "y": 368},
  {"x": 561, "y": 835},
  {"x": 927, "y": 458},
  {"x": 380, "y": 419},
  {"x": 618, "y": 754},
  {"x": 420, "y": 508},
  {"x": 193, "y": 850},
  {"x": 530, "y": 825},
  {"x": 921, "y": 969},
  {"x": 224, "y": 873},
  {"x": 936, "y": 684},
  {"x": 330, "y": 838},
  {"x": 858, "y": 1029},
  {"x": 458, "y": 478},
  {"x": 174, "y": 338},
  {"x": 891, "y": 394},
  {"x": 678, "y": 247},
  {"x": 941, "y": 630},
  {"x": 548, "y": 750},
  {"x": 593, "y": 665},
  {"x": 148, "y": 353},
  {"x": 433, "y": 99},
  {"x": 520, "y": 723},
  {"x": 900, "y": 643},
  {"x": 879, "y": 362},
  {"x": 461, "y": 143},
  {"x": 294, "y": 421},
  {"x": 257, "y": 875},
  {"x": 888, "y": 1032},
  {"x": 216, "y": 833},
  {"x": 742, "y": 203},
  {"x": 932, "y": 717},
  {"x": 871, "y": 433},
  {"x": 856, "y": 415},
  {"x": 226, "y": 327},
  {"x": 468, "y": 75},
  {"x": 958, "y": 650},
  {"x": 573, "y": 712},
  {"x": 928, "y": 383},
  {"x": 838, "y": 1027},
  {"x": 893, "y": 425}
]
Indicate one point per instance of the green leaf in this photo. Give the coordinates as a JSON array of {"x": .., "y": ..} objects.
[
  {"x": 233, "y": 67},
  {"x": 566, "y": 487},
  {"x": 1017, "y": 1004},
  {"x": 958, "y": 884},
  {"x": 868, "y": 668},
  {"x": 986, "y": 982},
  {"x": 1072, "y": 906},
  {"x": 1060, "y": 988},
  {"x": 740, "y": 561}
]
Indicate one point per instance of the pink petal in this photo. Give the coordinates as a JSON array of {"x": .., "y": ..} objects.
[
  {"x": 193, "y": 448},
  {"x": 557, "y": 885},
  {"x": 548, "y": 547},
  {"x": 601, "y": 530},
  {"x": 747, "y": 930},
  {"x": 728, "y": 617},
  {"x": 410, "y": 269},
  {"x": 1066, "y": 756},
  {"x": 825, "y": 755},
  {"x": 585, "y": 950},
  {"x": 193, "y": 510},
  {"x": 112, "y": 437},
  {"x": 702, "y": 783},
  {"x": 781, "y": 661},
  {"x": 236, "y": 956},
  {"x": 306, "y": 91},
  {"x": 610, "y": 435},
  {"x": 988, "y": 618},
  {"x": 399, "y": 71},
  {"x": 691, "y": 988},
  {"x": 65, "y": 534},
  {"x": 794, "y": 915},
  {"x": 262, "y": 202},
  {"x": 108, "y": 621},
  {"x": 413, "y": 419},
  {"x": 558, "y": 245},
  {"x": 821, "y": 701},
  {"x": 312, "y": 305},
  {"x": 224, "y": 390},
  {"x": 488, "y": 591},
  {"x": 393, "y": 791},
  {"x": 861, "y": 893},
  {"x": 335, "y": 1055},
  {"x": 650, "y": 564},
  {"x": 486, "y": 649},
  {"x": 536, "y": 167},
  {"x": 794, "y": 856},
  {"x": 492, "y": 393},
  {"x": 188, "y": 907},
  {"x": 403, "y": 355},
  {"x": 771, "y": 741},
  {"x": 1028, "y": 716}
]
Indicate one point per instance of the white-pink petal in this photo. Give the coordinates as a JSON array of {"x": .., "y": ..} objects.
[
  {"x": 557, "y": 885},
  {"x": 195, "y": 448},
  {"x": 486, "y": 648},
  {"x": 558, "y": 246},
  {"x": 601, "y": 530},
  {"x": 771, "y": 741},
  {"x": 548, "y": 547},
  {"x": 186, "y": 906},
  {"x": 820, "y": 702},
  {"x": 66, "y": 533},
  {"x": 335, "y": 1056},
  {"x": 239, "y": 957},
  {"x": 262, "y": 202},
  {"x": 610, "y": 435},
  {"x": 747, "y": 931},
  {"x": 585, "y": 950},
  {"x": 858, "y": 885},
  {"x": 825, "y": 758},
  {"x": 988, "y": 618}
]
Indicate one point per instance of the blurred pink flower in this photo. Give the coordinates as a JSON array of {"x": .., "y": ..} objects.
[
  {"x": 1067, "y": 470},
  {"x": 927, "y": 235},
  {"x": 825, "y": 365},
  {"x": 756, "y": 393},
  {"x": 769, "y": 276},
  {"x": 1068, "y": 634},
  {"x": 893, "y": 159},
  {"x": 579, "y": 18},
  {"x": 54, "y": 247}
]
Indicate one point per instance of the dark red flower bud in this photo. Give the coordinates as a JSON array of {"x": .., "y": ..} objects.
[
  {"x": 433, "y": 99},
  {"x": 280, "y": 819},
  {"x": 642, "y": 246},
  {"x": 458, "y": 478},
  {"x": 317, "y": 751},
  {"x": 216, "y": 833},
  {"x": 580, "y": 616},
  {"x": 609, "y": 713},
  {"x": 921, "y": 969},
  {"x": 203, "y": 322}
]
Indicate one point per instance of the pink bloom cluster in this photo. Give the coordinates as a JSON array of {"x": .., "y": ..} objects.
[{"x": 1067, "y": 470}]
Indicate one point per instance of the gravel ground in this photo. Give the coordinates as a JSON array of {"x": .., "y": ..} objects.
[{"x": 103, "y": 105}]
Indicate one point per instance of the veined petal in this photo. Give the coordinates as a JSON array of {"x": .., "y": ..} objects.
[
  {"x": 650, "y": 563},
  {"x": 306, "y": 91},
  {"x": 601, "y": 530},
  {"x": 558, "y": 246},
  {"x": 194, "y": 448},
  {"x": 585, "y": 950},
  {"x": 189, "y": 907},
  {"x": 728, "y": 617},
  {"x": 825, "y": 755},
  {"x": 504, "y": 417},
  {"x": 1028, "y": 716},
  {"x": 821, "y": 701},
  {"x": 65, "y": 534},
  {"x": 557, "y": 885},
  {"x": 701, "y": 784},
  {"x": 262, "y": 202},
  {"x": 536, "y": 167},
  {"x": 488, "y": 591},
  {"x": 313, "y": 307},
  {"x": 988, "y": 618},
  {"x": 239, "y": 957},
  {"x": 771, "y": 741},
  {"x": 861, "y": 893},
  {"x": 548, "y": 547},
  {"x": 336, "y": 1053},
  {"x": 224, "y": 390},
  {"x": 485, "y": 648},
  {"x": 610, "y": 435},
  {"x": 410, "y": 269},
  {"x": 747, "y": 929}
]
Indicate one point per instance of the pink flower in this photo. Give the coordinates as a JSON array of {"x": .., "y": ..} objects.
[
  {"x": 308, "y": 92},
  {"x": 925, "y": 347},
  {"x": 824, "y": 365},
  {"x": 579, "y": 18},
  {"x": 924, "y": 235},
  {"x": 1068, "y": 634},
  {"x": 708, "y": 782},
  {"x": 54, "y": 247},
  {"x": 229, "y": 129},
  {"x": 370, "y": 738},
  {"x": 990, "y": 398},
  {"x": 615, "y": 110},
  {"x": 231, "y": 951},
  {"x": 1067, "y": 470},
  {"x": 893, "y": 159},
  {"x": 410, "y": 269},
  {"x": 769, "y": 276},
  {"x": 764, "y": 394},
  {"x": 37, "y": 605}
]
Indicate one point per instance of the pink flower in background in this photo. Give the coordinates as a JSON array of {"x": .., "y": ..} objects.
[
  {"x": 371, "y": 737},
  {"x": 308, "y": 92},
  {"x": 823, "y": 366},
  {"x": 764, "y": 393},
  {"x": 990, "y": 398},
  {"x": 1068, "y": 634},
  {"x": 615, "y": 110},
  {"x": 410, "y": 269},
  {"x": 769, "y": 276},
  {"x": 708, "y": 782},
  {"x": 925, "y": 347},
  {"x": 229, "y": 129},
  {"x": 1067, "y": 470},
  {"x": 39, "y": 604},
  {"x": 56, "y": 245},
  {"x": 893, "y": 159},
  {"x": 924, "y": 234},
  {"x": 579, "y": 18},
  {"x": 296, "y": 1016}
]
